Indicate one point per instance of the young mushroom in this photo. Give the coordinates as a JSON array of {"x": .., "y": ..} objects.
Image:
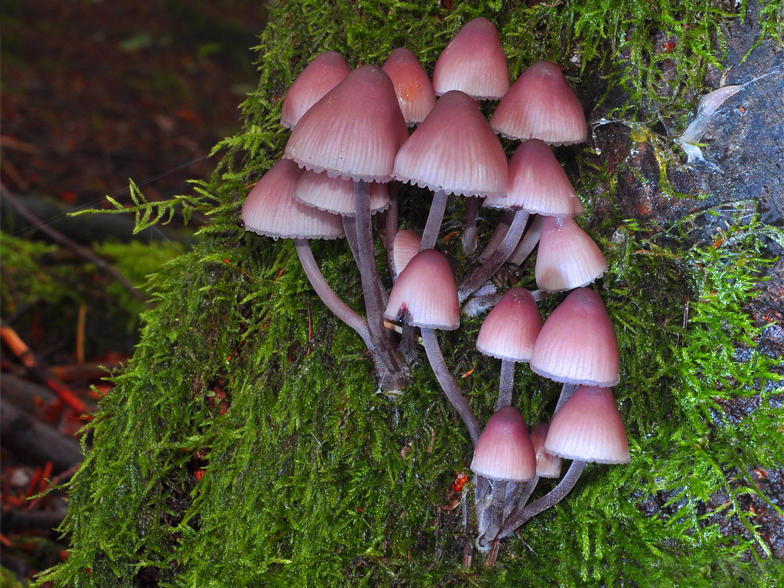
[
  {"x": 541, "y": 104},
  {"x": 504, "y": 453},
  {"x": 425, "y": 296},
  {"x": 454, "y": 151},
  {"x": 509, "y": 333}
]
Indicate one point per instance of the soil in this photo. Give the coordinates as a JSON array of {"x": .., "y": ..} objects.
[{"x": 95, "y": 93}]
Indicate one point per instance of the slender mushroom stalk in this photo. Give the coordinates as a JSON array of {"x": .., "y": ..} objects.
[
  {"x": 350, "y": 227},
  {"x": 528, "y": 242},
  {"x": 567, "y": 391},
  {"x": 448, "y": 383},
  {"x": 469, "y": 233},
  {"x": 434, "y": 218},
  {"x": 501, "y": 229},
  {"x": 482, "y": 273},
  {"x": 371, "y": 281},
  {"x": 507, "y": 382},
  {"x": 548, "y": 500}
]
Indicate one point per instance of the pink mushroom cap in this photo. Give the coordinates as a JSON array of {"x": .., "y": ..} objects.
[
  {"x": 568, "y": 258},
  {"x": 354, "y": 131},
  {"x": 336, "y": 195},
  {"x": 547, "y": 464},
  {"x": 425, "y": 294},
  {"x": 322, "y": 74},
  {"x": 504, "y": 450},
  {"x": 412, "y": 86},
  {"x": 589, "y": 428},
  {"x": 541, "y": 104},
  {"x": 510, "y": 329},
  {"x": 404, "y": 247},
  {"x": 270, "y": 208},
  {"x": 474, "y": 62},
  {"x": 538, "y": 184},
  {"x": 454, "y": 150},
  {"x": 577, "y": 344}
]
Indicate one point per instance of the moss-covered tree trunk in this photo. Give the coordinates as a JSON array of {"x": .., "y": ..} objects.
[{"x": 248, "y": 443}]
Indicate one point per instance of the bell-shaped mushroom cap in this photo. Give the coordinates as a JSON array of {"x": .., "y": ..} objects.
[
  {"x": 538, "y": 184},
  {"x": 270, "y": 208},
  {"x": 412, "y": 86},
  {"x": 354, "y": 131},
  {"x": 504, "y": 450},
  {"x": 547, "y": 465},
  {"x": 454, "y": 150},
  {"x": 577, "y": 344},
  {"x": 568, "y": 258},
  {"x": 589, "y": 428},
  {"x": 425, "y": 294},
  {"x": 474, "y": 63},
  {"x": 336, "y": 195},
  {"x": 541, "y": 104},
  {"x": 510, "y": 329},
  {"x": 322, "y": 74},
  {"x": 405, "y": 246}
]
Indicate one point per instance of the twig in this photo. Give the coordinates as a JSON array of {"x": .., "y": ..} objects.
[
  {"x": 40, "y": 370},
  {"x": 76, "y": 248}
]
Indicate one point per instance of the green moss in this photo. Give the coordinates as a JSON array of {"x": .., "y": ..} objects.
[{"x": 237, "y": 450}]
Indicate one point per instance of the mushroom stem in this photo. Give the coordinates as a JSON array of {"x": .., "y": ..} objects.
[
  {"x": 327, "y": 294},
  {"x": 498, "y": 235},
  {"x": 350, "y": 228},
  {"x": 528, "y": 242},
  {"x": 507, "y": 381},
  {"x": 469, "y": 233},
  {"x": 434, "y": 219},
  {"x": 468, "y": 549},
  {"x": 523, "y": 515},
  {"x": 567, "y": 391},
  {"x": 482, "y": 273},
  {"x": 448, "y": 384},
  {"x": 391, "y": 223},
  {"x": 520, "y": 496},
  {"x": 496, "y": 513}
]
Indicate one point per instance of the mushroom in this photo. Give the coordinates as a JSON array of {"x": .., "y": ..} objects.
[
  {"x": 577, "y": 345},
  {"x": 439, "y": 157},
  {"x": 425, "y": 296},
  {"x": 474, "y": 62},
  {"x": 541, "y": 104},
  {"x": 270, "y": 209},
  {"x": 322, "y": 74},
  {"x": 354, "y": 132},
  {"x": 568, "y": 258},
  {"x": 503, "y": 453},
  {"x": 588, "y": 428},
  {"x": 509, "y": 333}
]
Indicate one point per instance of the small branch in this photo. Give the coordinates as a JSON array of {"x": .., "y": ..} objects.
[
  {"x": 78, "y": 249},
  {"x": 41, "y": 371},
  {"x": 34, "y": 442}
]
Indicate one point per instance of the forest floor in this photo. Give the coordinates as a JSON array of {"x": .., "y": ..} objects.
[{"x": 95, "y": 93}]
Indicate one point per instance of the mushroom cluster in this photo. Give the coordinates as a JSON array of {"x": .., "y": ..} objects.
[{"x": 348, "y": 151}]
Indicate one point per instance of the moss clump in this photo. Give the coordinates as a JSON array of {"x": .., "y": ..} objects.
[{"x": 240, "y": 449}]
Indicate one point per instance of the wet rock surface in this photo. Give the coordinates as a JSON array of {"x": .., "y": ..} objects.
[{"x": 745, "y": 140}]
